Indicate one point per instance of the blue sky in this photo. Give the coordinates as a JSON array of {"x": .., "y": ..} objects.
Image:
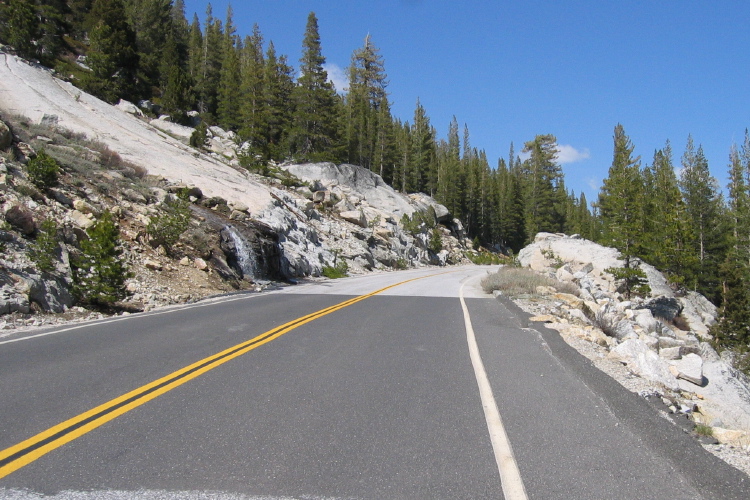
[{"x": 512, "y": 70}]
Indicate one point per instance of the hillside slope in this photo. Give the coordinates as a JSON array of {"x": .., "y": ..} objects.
[{"x": 245, "y": 228}]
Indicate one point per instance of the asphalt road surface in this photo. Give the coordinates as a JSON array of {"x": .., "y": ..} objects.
[{"x": 330, "y": 391}]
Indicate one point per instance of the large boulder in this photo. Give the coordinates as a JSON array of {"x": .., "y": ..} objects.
[
  {"x": 21, "y": 218},
  {"x": 423, "y": 203},
  {"x": 644, "y": 362}
]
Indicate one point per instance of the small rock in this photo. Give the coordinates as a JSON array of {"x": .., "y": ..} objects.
[
  {"x": 152, "y": 264},
  {"x": 185, "y": 261},
  {"x": 238, "y": 206},
  {"x": 84, "y": 207},
  {"x": 355, "y": 217},
  {"x": 200, "y": 264},
  {"x": 670, "y": 353},
  {"x": 80, "y": 219}
]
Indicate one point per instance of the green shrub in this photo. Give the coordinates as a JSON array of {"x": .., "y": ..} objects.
[
  {"x": 199, "y": 136},
  {"x": 631, "y": 280},
  {"x": 44, "y": 249},
  {"x": 173, "y": 220},
  {"x": 486, "y": 258},
  {"x": 99, "y": 272},
  {"x": 419, "y": 221},
  {"x": 43, "y": 170},
  {"x": 436, "y": 240},
  {"x": 339, "y": 270},
  {"x": 401, "y": 264},
  {"x": 704, "y": 430}
]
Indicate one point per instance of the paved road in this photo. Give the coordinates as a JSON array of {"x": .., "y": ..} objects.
[{"x": 324, "y": 391}]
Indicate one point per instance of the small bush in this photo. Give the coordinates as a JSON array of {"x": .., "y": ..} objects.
[
  {"x": 173, "y": 220},
  {"x": 704, "y": 430},
  {"x": 486, "y": 258},
  {"x": 339, "y": 270},
  {"x": 436, "y": 240},
  {"x": 631, "y": 280},
  {"x": 419, "y": 221},
  {"x": 99, "y": 272},
  {"x": 43, "y": 171},
  {"x": 44, "y": 249},
  {"x": 519, "y": 281},
  {"x": 401, "y": 264},
  {"x": 199, "y": 136}
]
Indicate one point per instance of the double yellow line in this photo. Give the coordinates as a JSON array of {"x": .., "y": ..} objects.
[{"x": 22, "y": 454}]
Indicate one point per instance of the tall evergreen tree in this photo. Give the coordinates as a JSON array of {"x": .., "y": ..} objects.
[
  {"x": 621, "y": 198},
  {"x": 542, "y": 174},
  {"x": 112, "y": 56},
  {"x": 228, "y": 92},
  {"x": 176, "y": 85},
  {"x": 253, "y": 107},
  {"x": 278, "y": 87},
  {"x": 151, "y": 22},
  {"x": 422, "y": 154},
  {"x": 314, "y": 135},
  {"x": 665, "y": 231},
  {"x": 34, "y": 28},
  {"x": 703, "y": 205},
  {"x": 366, "y": 96},
  {"x": 212, "y": 56}
]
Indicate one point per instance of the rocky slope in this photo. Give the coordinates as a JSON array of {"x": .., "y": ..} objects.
[
  {"x": 658, "y": 346},
  {"x": 245, "y": 229}
]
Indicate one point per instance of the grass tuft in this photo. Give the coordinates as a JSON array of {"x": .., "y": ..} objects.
[{"x": 513, "y": 281}]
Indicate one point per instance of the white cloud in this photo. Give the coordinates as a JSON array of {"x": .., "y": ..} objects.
[
  {"x": 337, "y": 76},
  {"x": 568, "y": 154},
  {"x": 565, "y": 154}
]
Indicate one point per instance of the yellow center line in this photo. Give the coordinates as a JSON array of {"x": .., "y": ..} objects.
[{"x": 25, "y": 452}]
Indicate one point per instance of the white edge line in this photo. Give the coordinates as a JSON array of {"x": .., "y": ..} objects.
[{"x": 510, "y": 476}]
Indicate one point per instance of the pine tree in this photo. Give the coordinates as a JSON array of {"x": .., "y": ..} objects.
[
  {"x": 112, "y": 56},
  {"x": 367, "y": 84},
  {"x": 621, "y": 198},
  {"x": 665, "y": 230},
  {"x": 422, "y": 153},
  {"x": 314, "y": 134},
  {"x": 542, "y": 173},
  {"x": 703, "y": 206},
  {"x": 254, "y": 105},
  {"x": 733, "y": 328},
  {"x": 176, "y": 95},
  {"x": 228, "y": 91},
  {"x": 151, "y": 21},
  {"x": 212, "y": 55},
  {"x": 278, "y": 87},
  {"x": 195, "y": 57},
  {"x": 99, "y": 273},
  {"x": 34, "y": 28}
]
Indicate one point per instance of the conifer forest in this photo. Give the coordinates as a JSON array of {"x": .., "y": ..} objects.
[{"x": 667, "y": 210}]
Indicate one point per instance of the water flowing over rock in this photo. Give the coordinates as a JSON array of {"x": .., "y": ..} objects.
[{"x": 244, "y": 255}]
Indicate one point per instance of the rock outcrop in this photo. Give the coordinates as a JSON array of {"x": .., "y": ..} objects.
[{"x": 662, "y": 338}]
